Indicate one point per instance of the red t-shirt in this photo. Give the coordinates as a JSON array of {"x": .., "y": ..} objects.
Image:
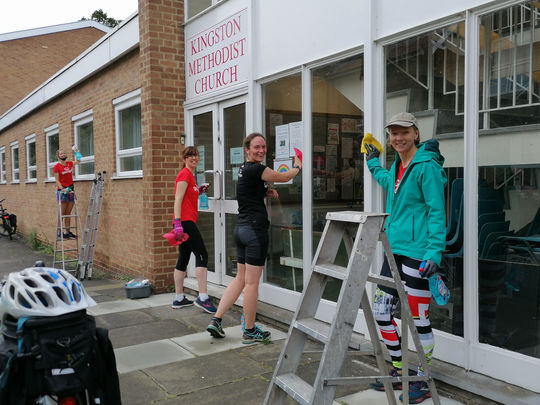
[
  {"x": 401, "y": 172},
  {"x": 191, "y": 197},
  {"x": 64, "y": 173}
]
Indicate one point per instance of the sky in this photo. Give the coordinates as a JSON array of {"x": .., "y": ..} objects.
[{"x": 17, "y": 15}]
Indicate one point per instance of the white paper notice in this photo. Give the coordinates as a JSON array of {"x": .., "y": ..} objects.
[
  {"x": 346, "y": 148},
  {"x": 296, "y": 137},
  {"x": 237, "y": 155},
  {"x": 283, "y": 166},
  {"x": 282, "y": 141}
]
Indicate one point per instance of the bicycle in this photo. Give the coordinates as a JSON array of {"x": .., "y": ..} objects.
[{"x": 9, "y": 222}]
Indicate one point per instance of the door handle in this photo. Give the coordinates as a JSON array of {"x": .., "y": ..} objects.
[{"x": 218, "y": 180}]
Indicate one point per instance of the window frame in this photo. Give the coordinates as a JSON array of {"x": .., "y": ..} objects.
[
  {"x": 50, "y": 132},
  {"x": 120, "y": 104},
  {"x": 29, "y": 168},
  {"x": 15, "y": 171},
  {"x": 3, "y": 165},
  {"x": 78, "y": 121}
]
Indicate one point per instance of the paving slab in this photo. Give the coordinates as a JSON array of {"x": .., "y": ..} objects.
[
  {"x": 371, "y": 396},
  {"x": 202, "y": 344},
  {"x": 115, "y": 306},
  {"x": 122, "y": 319},
  {"x": 192, "y": 316},
  {"x": 149, "y": 354},
  {"x": 147, "y": 332},
  {"x": 247, "y": 391},
  {"x": 137, "y": 388},
  {"x": 196, "y": 374}
]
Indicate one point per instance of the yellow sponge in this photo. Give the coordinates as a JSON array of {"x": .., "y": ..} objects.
[{"x": 368, "y": 138}]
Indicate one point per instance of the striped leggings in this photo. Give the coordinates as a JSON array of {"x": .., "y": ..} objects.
[{"x": 419, "y": 296}]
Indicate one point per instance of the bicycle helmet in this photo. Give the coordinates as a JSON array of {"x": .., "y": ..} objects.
[{"x": 42, "y": 291}]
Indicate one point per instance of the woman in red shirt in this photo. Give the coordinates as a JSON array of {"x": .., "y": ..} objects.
[
  {"x": 186, "y": 198},
  {"x": 63, "y": 174}
]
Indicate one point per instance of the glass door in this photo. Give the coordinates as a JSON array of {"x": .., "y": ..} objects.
[{"x": 218, "y": 131}]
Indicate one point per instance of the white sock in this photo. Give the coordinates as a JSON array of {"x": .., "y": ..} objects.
[
  {"x": 203, "y": 296},
  {"x": 179, "y": 297}
]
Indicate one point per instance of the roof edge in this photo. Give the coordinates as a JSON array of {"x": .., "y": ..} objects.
[{"x": 52, "y": 29}]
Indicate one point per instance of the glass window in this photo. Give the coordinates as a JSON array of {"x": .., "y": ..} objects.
[
  {"x": 15, "y": 162},
  {"x": 425, "y": 76},
  {"x": 84, "y": 141},
  {"x": 128, "y": 134},
  {"x": 53, "y": 144},
  {"x": 337, "y": 130},
  {"x": 31, "y": 171},
  {"x": 509, "y": 178},
  {"x": 3, "y": 165},
  {"x": 282, "y": 100},
  {"x": 194, "y": 7}
]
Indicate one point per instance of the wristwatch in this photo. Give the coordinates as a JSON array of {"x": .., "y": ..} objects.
[{"x": 297, "y": 167}]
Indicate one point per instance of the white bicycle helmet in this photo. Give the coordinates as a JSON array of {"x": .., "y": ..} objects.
[{"x": 42, "y": 291}]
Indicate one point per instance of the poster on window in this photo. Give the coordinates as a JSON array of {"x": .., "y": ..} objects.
[
  {"x": 283, "y": 166},
  {"x": 346, "y": 148},
  {"x": 237, "y": 155},
  {"x": 351, "y": 125},
  {"x": 333, "y": 134},
  {"x": 282, "y": 141},
  {"x": 200, "y": 166},
  {"x": 295, "y": 137}
]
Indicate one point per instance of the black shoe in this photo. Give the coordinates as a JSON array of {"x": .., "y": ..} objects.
[
  {"x": 181, "y": 304},
  {"x": 379, "y": 386},
  {"x": 215, "y": 328},
  {"x": 66, "y": 236},
  {"x": 72, "y": 235},
  {"x": 418, "y": 392},
  {"x": 256, "y": 335}
]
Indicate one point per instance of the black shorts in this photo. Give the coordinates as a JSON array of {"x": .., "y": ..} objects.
[
  {"x": 194, "y": 244},
  {"x": 251, "y": 244}
]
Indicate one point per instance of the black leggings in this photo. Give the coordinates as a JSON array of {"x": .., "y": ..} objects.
[{"x": 194, "y": 244}]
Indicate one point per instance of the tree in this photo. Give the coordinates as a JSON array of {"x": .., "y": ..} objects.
[{"x": 101, "y": 16}]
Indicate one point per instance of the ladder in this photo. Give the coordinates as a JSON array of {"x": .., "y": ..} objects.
[
  {"x": 88, "y": 244},
  {"x": 63, "y": 246},
  {"x": 360, "y": 232}
]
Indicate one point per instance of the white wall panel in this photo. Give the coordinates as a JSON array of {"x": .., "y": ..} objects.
[{"x": 290, "y": 33}]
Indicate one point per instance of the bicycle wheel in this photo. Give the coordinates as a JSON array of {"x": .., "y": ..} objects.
[{"x": 7, "y": 230}]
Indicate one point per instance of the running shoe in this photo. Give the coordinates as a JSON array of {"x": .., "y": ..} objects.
[
  {"x": 418, "y": 392},
  {"x": 243, "y": 322},
  {"x": 256, "y": 335},
  {"x": 207, "y": 305},
  {"x": 215, "y": 328},
  {"x": 72, "y": 235},
  {"x": 379, "y": 386},
  {"x": 181, "y": 304}
]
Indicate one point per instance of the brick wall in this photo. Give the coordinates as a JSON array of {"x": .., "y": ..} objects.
[
  {"x": 120, "y": 243},
  {"x": 162, "y": 97},
  {"x": 28, "y": 62}
]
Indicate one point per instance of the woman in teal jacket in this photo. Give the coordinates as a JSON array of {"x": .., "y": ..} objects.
[{"x": 416, "y": 229}]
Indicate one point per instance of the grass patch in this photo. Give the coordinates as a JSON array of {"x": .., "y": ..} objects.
[{"x": 37, "y": 245}]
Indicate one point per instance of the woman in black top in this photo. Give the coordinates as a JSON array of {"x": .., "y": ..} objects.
[{"x": 251, "y": 236}]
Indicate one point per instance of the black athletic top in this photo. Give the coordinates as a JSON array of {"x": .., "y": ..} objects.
[{"x": 250, "y": 193}]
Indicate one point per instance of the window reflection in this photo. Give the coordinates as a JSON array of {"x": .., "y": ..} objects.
[{"x": 509, "y": 174}]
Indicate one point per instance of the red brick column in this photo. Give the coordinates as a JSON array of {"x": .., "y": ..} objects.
[{"x": 162, "y": 97}]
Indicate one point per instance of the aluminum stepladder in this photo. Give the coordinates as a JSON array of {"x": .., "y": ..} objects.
[
  {"x": 61, "y": 244},
  {"x": 88, "y": 244},
  {"x": 360, "y": 232}
]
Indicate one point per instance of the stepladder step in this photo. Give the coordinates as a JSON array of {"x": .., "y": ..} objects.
[
  {"x": 331, "y": 270},
  {"x": 295, "y": 387}
]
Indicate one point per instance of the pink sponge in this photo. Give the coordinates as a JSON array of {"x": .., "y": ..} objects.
[{"x": 171, "y": 237}]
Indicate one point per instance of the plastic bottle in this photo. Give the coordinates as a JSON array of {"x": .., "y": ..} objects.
[
  {"x": 203, "y": 202},
  {"x": 439, "y": 290},
  {"x": 78, "y": 155}
]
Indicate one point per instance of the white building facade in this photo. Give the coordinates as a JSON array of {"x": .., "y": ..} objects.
[{"x": 318, "y": 75}]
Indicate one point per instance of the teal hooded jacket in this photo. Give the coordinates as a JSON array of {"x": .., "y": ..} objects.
[{"x": 416, "y": 225}]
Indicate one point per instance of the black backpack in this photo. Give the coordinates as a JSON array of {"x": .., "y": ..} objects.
[{"x": 61, "y": 356}]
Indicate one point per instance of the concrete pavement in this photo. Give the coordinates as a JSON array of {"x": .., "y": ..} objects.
[{"x": 165, "y": 356}]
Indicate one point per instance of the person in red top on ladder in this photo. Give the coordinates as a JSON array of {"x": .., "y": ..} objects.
[{"x": 63, "y": 174}]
